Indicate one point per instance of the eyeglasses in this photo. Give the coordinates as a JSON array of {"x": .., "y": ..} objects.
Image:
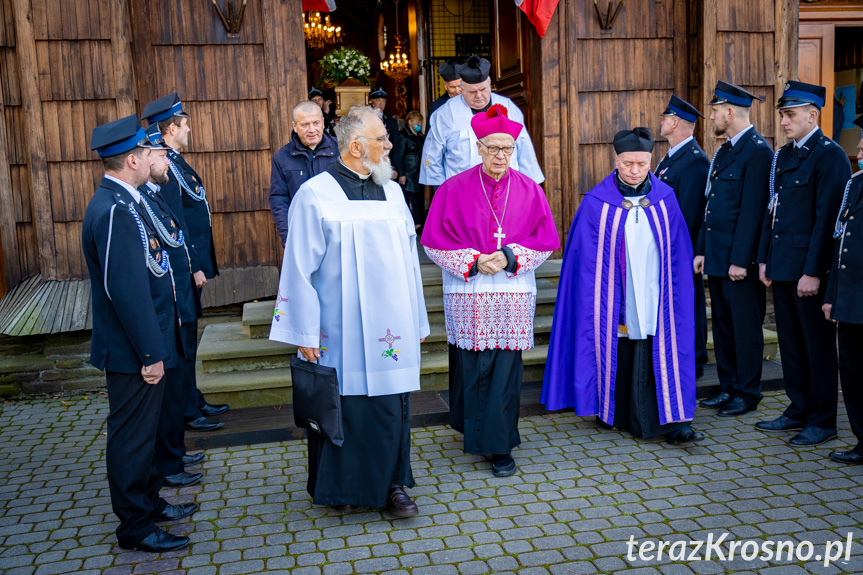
[
  {"x": 380, "y": 139},
  {"x": 495, "y": 150}
]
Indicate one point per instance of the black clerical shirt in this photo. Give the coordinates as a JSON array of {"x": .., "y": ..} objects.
[
  {"x": 627, "y": 191},
  {"x": 356, "y": 188}
]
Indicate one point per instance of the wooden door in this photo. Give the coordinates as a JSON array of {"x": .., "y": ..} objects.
[
  {"x": 509, "y": 61},
  {"x": 815, "y": 64}
]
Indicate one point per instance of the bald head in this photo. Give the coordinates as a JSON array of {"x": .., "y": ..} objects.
[{"x": 308, "y": 123}]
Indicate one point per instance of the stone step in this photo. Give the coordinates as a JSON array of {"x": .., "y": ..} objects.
[
  {"x": 258, "y": 316},
  {"x": 272, "y": 386}
]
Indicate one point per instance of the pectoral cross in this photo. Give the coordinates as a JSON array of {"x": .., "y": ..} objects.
[{"x": 499, "y": 235}]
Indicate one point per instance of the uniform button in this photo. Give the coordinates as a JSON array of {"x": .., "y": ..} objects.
[
  {"x": 796, "y": 181},
  {"x": 848, "y": 234},
  {"x": 776, "y": 220},
  {"x": 851, "y": 218},
  {"x": 845, "y": 251},
  {"x": 711, "y": 195},
  {"x": 843, "y": 266},
  {"x": 709, "y": 230},
  {"x": 708, "y": 211},
  {"x": 776, "y": 236},
  {"x": 147, "y": 356}
]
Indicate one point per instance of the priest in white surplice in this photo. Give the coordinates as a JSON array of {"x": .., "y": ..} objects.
[
  {"x": 488, "y": 229},
  {"x": 450, "y": 147},
  {"x": 350, "y": 295}
]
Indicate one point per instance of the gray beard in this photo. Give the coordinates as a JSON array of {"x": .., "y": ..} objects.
[{"x": 382, "y": 172}]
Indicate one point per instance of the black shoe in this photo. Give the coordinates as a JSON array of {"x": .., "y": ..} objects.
[
  {"x": 779, "y": 424},
  {"x": 203, "y": 424},
  {"x": 193, "y": 459},
  {"x": 849, "y": 457},
  {"x": 183, "y": 479},
  {"x": 159, "y": 541},
  {"x": 716, "y": 401},
  {"x": 685, "y": 435},
  {"x": 213, "y": 410},
  {"x": 174, "y": 512},
  {"x": 503, "y": 465},
  {"x": 736, "y": 406},
  {"x": 400, "y": 504},
  {"x": 602, "y": 424},
  {"x": 343, "y": 508},
  {"x": 812, "y": 436}
]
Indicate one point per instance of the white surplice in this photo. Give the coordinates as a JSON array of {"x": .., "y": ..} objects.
[
  {"x": 450, "y": 146},
  {"x": 642, "y": 274},
  {"x": 350, "y": 283}
]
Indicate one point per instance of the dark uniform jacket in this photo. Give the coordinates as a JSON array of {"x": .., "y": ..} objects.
[
  {"x": 809, "y": 183},
  {"x": 293, "y": 165},
  {"x": 412, "y": 151},
  {"x": 846, "y": 275},
  {"x": 134, "y": 316},
  {"x": 392, "y": 126},
  {"x": 736, "y": 205},
  {"x": 686, "y": 173},
  {"x": 193, "y": 216},
  {"x": 187, "y": 306}
]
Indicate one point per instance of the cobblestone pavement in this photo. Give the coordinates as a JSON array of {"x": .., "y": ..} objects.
[{"x": 581, "y": 493}]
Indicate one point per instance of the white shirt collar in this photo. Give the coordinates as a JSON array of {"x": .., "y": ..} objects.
[
  {"x": 802, "y": 141},
  {"x": 675, "y": 149},
  {"x": 136, "y": 195},
  {"x": 739, "y": 135},
  {"x": 359, "y": 175},
  {"x": 154, "y": 187}
]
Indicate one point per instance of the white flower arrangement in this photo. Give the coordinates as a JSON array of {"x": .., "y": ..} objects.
[{"x": 342, "y": 63}]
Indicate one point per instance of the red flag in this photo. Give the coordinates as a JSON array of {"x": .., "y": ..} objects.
[
  {"x": 319, "y": 5},
  {"x": 539, "y": 12}
]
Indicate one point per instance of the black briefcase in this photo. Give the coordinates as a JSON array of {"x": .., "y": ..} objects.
[{"x": 317, "y": 405}]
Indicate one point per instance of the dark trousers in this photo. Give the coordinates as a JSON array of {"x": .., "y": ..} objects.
[
  {"x": 417, "y": 202},
  {"x": 192, "y": 398},
  {"x": 810, "y": 367},
  {"x": 738, "y": 311},
  {"x": 636, "y": 408},
  {"x": 851, "y": 375},
  {"x": 133, "y": 423},
  {"x": 700, "y": 322},
  {"x": 170, "y": 441},
  {"x": 485, "y": 398}
]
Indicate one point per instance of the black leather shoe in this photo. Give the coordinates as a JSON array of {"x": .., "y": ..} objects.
[
  {"x": 399, "y": 503},
  {"x": 343, "y": 508},
  {"x": 716, "y": 401},
  {"x": 503, "y": 465},
  {"x": 849, "y": 457},
  {"x": 812, "y": 436},
  {"x": 193, "y": 459},
  {"x": 174, "y": 512},
  {"x": 159, "y": 541},
  {"x": 736, "y": 406},
  {"x": 213, "y": 410},
  {"x": 183, "y": 479},
  {"x": 602, "y": 424},
  {"x": 781, "y": 423},
  {"x": 685, "y": 435},
  {"x": 203, "y": 424}
]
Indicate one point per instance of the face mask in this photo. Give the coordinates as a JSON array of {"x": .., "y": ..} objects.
[
  {"x": 860, "y": 164},
  {"x": 417, "y": 128}
]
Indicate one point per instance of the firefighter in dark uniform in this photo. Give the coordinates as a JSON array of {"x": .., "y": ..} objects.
[
  {"x": 171, "y": 458},
  {"x": 134, "y": 333},
  {"x": 727, "y": 250},
  {"x": 452, "y": 84},
  {"x": 795, "y": 256},
  {"x": 843, "y": 303},
  {"x": 378, "y": 101},
  {"x": 684, "y": 168},
  {"x": 184, "y": 192}
]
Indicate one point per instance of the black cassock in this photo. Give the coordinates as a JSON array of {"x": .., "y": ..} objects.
[
  {"x": 485, "y": 392},
  {"x": 376, "y": 453}
]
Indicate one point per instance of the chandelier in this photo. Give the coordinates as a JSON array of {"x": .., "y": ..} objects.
[
  {"x": 319, "y": 33},
  {"x": 397, "y": 65}
]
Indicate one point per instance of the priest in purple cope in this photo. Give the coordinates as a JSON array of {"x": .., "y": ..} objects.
[
  {"x": 488, "y": 229},
  {"x": 623, "y": 337}
]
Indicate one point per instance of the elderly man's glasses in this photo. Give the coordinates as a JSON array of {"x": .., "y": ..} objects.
[
  {"x": 379, "y": 139},
  {"x": 495, "y": 150}
]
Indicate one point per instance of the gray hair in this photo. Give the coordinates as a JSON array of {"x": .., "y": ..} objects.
[
  {"x": 307, "y": 107},
  {"x": 351, "y": 125}
]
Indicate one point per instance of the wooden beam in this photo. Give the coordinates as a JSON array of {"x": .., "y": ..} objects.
[
  {"x": 285, "y": 50},
  {"x": 707, "y": 65},
  {"x": 40, "y": 191},
  {"x": 8, "y": 235},
  {"x": 570, "y": 133},
  {"x": 681, "y": 51},
  {"x": 786, "y": 26},
  {"x": 121, "y": 50}
]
